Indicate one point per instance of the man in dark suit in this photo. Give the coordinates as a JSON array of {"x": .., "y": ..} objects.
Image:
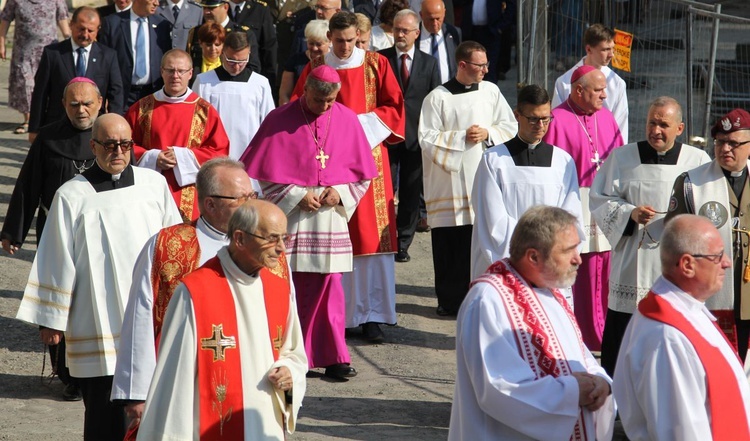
[
  {"x": 256, "y": 15},
  {"x": 140, "y": 38},
  {"x": 494, "y": 30},
  {"x": 417, "y": 75},
  {"x": 78, "y": 56},
  {"x": 113, "y": 7},
  {"x": 438, "y": 38},
  {"x": 182, "y": 15}
]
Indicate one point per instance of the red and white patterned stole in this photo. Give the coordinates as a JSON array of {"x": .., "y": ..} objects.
[{"x": 536, "y": 339}]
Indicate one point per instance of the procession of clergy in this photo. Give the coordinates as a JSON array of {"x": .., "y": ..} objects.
[{"x": 196, "y": 281}]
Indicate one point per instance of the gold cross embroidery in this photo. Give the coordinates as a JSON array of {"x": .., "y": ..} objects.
[
  {"x": 277, "y": 340},
  {"x": 218, "y": 342},
  {"x": 322, "y": 157}
]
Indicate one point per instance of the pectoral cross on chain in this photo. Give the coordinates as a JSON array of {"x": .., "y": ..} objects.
[
  {"x": 322, "y": 157},
  {"x": 596, "y": 160},
  {"x": 218, "y": 342},
  {"x": 278, "y": 339}
]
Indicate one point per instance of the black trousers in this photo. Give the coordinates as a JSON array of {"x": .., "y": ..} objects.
[
  {"x": 451, "y": 258},
  {"x": 406, "y": 174},
  {"x": 614, "y": 330},
  {"x": 102, "y": 420}
]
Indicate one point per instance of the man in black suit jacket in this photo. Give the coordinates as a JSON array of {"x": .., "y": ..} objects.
[
  {"x": 189, "y": 15},
  {"x": 496, "y": 33},
  {"x": 118, "y": 33},
  {"x": 113, "y": 7},
  {"x": 256, "y": 15},
  {"x": 406, "y": 157},
  {"x": 59, "y": 65},
  {"x": 447, "y": 38}
]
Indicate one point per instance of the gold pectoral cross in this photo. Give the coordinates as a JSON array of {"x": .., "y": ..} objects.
[
  {"x": 278, "y": 339},
  {"x": 218, "y": 342},
  {"x": 322, "y": 157}
]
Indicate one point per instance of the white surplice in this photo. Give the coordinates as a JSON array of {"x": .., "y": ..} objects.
[
  {"x": 242, "y": 106},
  {"x": 497, "y": 394},
  {"x": 172, "y": 410},
  {"x": 504, "y": 191},
  {"x": 81, "y": 275},
  {"x": 448, "y": 160},
  {"x": 136, "y": 356},
  {"x": 660, "y": 382},
  {"x": 617, "y": 95},
  {"x": 622, "y": 184}
]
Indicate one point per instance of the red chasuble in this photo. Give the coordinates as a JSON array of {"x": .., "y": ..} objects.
[
  {"x": 193, "y": 123},
  {"x": 219, "y": 368},
  {"x": 727, "y": 411},
  {"x": 372, "y": 87},
  {"x": 176, "y": 254}
]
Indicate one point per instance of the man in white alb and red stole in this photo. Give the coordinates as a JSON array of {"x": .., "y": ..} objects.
[
  {"x": 317, "y": 180},
  {"x": 369, "y": 88},
  {"x": 523, "y": 372},
  {"x": 231, "y": 363},
  {"x": 589, "y": 132},
  {"x": 176, "y": 131},
  {"x": 677, "y": 376},
  {"x": 171, "y": 254}
]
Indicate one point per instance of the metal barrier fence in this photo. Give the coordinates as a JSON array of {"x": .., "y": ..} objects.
[{"x": 681, "y": 48}]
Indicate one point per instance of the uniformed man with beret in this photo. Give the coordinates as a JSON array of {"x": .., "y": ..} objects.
[{"x": 719, "y": 191}]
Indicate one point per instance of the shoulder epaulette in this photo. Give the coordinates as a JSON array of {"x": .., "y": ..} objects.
[
  {"x": 245, "y": 28},
  {"x": 261, "y": 2}
]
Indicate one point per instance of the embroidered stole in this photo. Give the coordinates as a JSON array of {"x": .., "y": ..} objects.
[
  {"x": 176, "y": 254},
  {"x": 219, "y": 368},
  {"x": 725, "y": 405},
  {"x": 534, "y": 334}
]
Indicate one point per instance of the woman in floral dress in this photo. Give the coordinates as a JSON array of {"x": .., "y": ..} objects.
[{"x": 35, "y": 28}]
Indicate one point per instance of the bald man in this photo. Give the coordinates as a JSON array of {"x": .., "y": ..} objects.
[
  {"x": 439, "y": 38},
  {"x": 588, "y": 131}
]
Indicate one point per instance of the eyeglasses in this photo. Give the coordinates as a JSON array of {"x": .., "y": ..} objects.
[
  {"x": 534, "y": 120},
  {"x": 397, "y": 31},
  {"x": 171, "y": 72},
  {"x": 732, "y": 144},
  {"x": 272, "y": 238},
  {"x": 111, "y": 146},
  {"x": 236, "y": 62},
  {"x": 241, "y": 199},
  {"x": 481, "y": 66},
  {"x": 713, "y": 258}
]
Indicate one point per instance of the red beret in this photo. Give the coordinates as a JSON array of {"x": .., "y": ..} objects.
[
  {"x": 733, "y": 121},
  {"x": 581, "y": 71}
]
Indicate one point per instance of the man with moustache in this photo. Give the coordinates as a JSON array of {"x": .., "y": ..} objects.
[
  {"x": 81, "y": 276},
  {"x": 629, "y": 198},
  {"x": 514, "y": 176},
  {"x": 523, "y": 371},
  {"x": 717, "y": 191}
]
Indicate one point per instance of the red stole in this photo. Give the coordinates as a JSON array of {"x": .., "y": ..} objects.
[
  {"x": 176, "y": 254},
  {"x": 219, "y": 369},
  {"x": 534, "y": 334},
  {"x": 727, "y": 410}
]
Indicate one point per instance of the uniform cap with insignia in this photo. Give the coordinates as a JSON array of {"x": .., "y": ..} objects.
[
  {"x": 211, "y": 3},
  {"x": 733, "y": 121}
]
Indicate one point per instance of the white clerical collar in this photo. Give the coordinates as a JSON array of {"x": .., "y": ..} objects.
[
  {"x": 662, "y": 285},
  {"x": 232, "y": 271},
  {"x": 76, "y": 46},
  {"x": 658, "y": 153},
  {"x": 529, "y": 145},
  {"x": 116, "y": 177},
  {"x": 737, "y": 174},
  {"x": 410, "y": 52},
  {"x": 355, "y": 60},
  {"x": 161, "y": 96},
  {"x": 225, "y": 23},
  {"x": 209, "y": 230}
]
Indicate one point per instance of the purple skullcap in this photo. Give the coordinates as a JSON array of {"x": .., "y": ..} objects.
[
  {"x": 581, "y": 71},
  {"x": 326, "y": 74},
  {"x": 81, "y": 80}
]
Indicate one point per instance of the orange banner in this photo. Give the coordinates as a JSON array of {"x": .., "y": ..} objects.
[{"x": 623, "y": 45}]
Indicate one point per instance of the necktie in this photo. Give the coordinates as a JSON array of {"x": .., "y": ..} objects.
[
  {"x": 81, "y": 62},
  {"x": 404, "y": 70},
  {"x": 434, "y": 46},
  {"x": 140, "y": 50},
  {"x": 175, "y": 11},
  {"x": 237, "y": 11}
]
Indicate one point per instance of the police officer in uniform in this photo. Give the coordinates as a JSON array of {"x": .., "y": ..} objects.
[
  {"x": 719, "y": 191},
  {"x": 256, "y": 15}
]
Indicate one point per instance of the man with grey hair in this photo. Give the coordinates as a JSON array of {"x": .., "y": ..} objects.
[
  {"x": 232, "y": 337},
  {"x": 523, "y": 371},
  {"x": 674, "y": 360},
  {"x": 317, "y": 180},
  {"x": 629, "y": 198},
  {"x": 170, "y": 255}
]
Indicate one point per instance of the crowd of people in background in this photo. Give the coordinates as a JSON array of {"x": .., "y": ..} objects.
[{"x": 223, "y": 188}]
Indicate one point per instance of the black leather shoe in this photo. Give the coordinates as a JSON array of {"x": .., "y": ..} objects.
[
  {"x": 72, "y": 393},
  {"x": 442, "y": 312},
  {"x": 372, "y": 332},
  {"x": 340, "y": 371},
  {"x": 402, "y": 256},
  {"x": 423, "y": 226}
]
